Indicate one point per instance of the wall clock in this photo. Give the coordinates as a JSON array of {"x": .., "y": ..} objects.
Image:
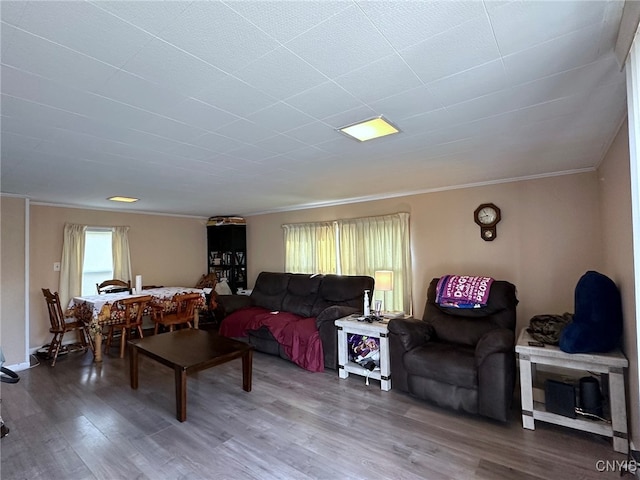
[{"x": 487, "y": 217}]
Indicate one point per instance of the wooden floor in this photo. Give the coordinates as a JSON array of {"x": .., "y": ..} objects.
[{"x": 80, "y": 420}]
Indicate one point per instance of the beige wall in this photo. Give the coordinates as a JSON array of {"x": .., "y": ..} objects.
[
  {"x": 165, "y": 250},
  {"x": 548, "y": 237},
  {"x": 615, "y": 186},
  {"x": 12, "y": 279}
]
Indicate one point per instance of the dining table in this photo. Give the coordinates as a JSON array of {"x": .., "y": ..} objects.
[{"x": 99, "y": 311}]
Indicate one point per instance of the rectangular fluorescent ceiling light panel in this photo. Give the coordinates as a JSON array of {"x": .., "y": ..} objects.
[
  {"x": 369, "y": 129},
  {"x": 123, "y": 199}
]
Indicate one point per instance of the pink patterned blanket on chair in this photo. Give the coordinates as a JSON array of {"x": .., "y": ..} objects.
[{"x": 463, "y": 291}]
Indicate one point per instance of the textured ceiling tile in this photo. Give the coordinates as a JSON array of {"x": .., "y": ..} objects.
[
  {"x": 77, "y": 145},
  {"x": 313, "y": 133},
  {"x": 235, "y": 96},
  {"x": 85, "y": 28},
  {"x": 40, "y": 90},
  {"x": 21, "y": 140},
  {"x": 453, "y": 51},
  {"x": 251, "y": 153},
  {"x": 153, "y": 20},
  {"x": 307, "y": 154},
  {"x": 407, "y": 104},
  {"x": 245, "y": 131},
  {"x": 562, "y": 53},
  {"x": 133, "y": 90},
  {"x": 12, "y": 11},
  {"x": 38, "y": 114},
  {"x": 578, "y": 80},
  {"x": 286, "y": 20},
  {"x": 171, "y": 128},
  {"x": 280, "y": 144},
  {"x": 548, "y": 110},
  {"x": 425, "y": 122},
  {"x": 487, "y": 105},
  {"x": 407, "y": 23},
  {"x": 324, "y": 100},
  {"x": 218, "y": 35},
  {"x": 236, "y": 164},
  {"x": 191, "y": 151},
  {"x": 166, "y": 65},
  {"x": 280, "y": 117},
  {"x": 216, "y": 143},
  {"x": 380, "y": 79},
  {"x": 348, "y": 117},
  {"x": 50, "y": 60},
  {"x": 26, "y": 127},
  {"x": 517, "y": 24},
  {"x": 475, "y": 82},
  {"x": 199, "y": 114},
  {"x": 343, "y": 43},
  {"x": 281, "y": 74}
]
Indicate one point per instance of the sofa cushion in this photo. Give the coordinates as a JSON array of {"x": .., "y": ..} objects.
[
  {"x": 269, "y": 290},
  {"x": 301, "y": 293},
  {"x": 443, "y": 362},
  {"x": 342, "y": 290}
]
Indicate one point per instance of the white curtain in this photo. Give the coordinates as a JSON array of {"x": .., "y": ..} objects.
[
  {"x": 379, "y": 243},
  {"x": 120, "y": 252},
  {"x": 358, "y": 246},
  {"x": 310, "y": 248},
  {"x": 72, "y": 261}
]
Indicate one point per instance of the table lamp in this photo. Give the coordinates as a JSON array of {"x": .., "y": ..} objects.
[{"x": 383, "y": 282}]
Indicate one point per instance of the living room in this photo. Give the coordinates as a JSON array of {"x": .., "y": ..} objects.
[{"x": 553, "y": 229}]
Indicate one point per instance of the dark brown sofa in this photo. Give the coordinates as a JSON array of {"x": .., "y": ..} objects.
[
  {"x": 463, "y": 359},
  {"x": 323, "y": 297}
]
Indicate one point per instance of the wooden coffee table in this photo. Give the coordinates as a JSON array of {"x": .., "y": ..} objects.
[{"x": 188, "y": 351}]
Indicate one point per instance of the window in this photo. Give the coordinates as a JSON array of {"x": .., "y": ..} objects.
[
  {"x": 98, "y": 259},
  {"x": 358, "y": 246}
]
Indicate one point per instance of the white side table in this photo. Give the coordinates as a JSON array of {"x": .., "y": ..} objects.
[
  {"x": 611, "y": 364},
  {"x": 350, "y": 324}
]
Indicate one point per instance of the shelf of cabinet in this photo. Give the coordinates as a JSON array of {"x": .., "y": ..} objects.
[{"x": 227, "y": 254}]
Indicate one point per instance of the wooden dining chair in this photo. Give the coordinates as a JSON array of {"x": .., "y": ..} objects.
[
  {"x": 60, "y": 325},
  {"x": 113, "y": 286},
  {"x": 131, "y": 310},
  {"x": 185, "y": 311}
]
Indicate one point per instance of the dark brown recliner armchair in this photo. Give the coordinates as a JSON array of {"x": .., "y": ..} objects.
[{"x": 459, "y": 358}]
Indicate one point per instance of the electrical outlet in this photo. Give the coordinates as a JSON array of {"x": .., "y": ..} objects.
[{"x": 56, "y": 267}]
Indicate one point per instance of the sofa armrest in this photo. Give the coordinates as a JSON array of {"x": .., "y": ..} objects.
[
  {"x": 411, "y": 332},
  {"x": 230, "y": 303},
  {"x": 500, "y": 340},
  {"x": 325, "y": 322},
  {"x": 496, "y": 363},
  {"x": 333, "y": 313}
]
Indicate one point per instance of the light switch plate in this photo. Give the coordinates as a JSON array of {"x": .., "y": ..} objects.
[{"x": 56, "y": 267}]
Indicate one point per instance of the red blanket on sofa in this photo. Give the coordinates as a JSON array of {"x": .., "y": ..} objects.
[{"x": 298, "y": 335}]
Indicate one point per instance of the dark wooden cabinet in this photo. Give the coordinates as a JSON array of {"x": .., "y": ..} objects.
[{"x": 227, "y": 254}]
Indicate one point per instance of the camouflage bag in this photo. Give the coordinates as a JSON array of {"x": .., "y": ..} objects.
[{"x": 547, "y": 328}]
